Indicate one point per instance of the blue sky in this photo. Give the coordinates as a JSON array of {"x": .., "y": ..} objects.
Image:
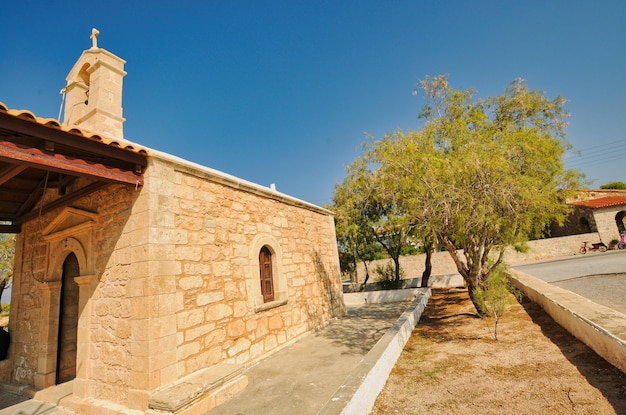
[{"x": 284, "y": 91}]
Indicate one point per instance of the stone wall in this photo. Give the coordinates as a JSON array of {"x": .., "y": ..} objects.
[
  {"x": 220, "y": 314},
  {"x": 413, "y": 265},
  {"x": 104, "y": 247},
  {"x": 580, "y": 220},
  {"x": 606, "y": 224}
]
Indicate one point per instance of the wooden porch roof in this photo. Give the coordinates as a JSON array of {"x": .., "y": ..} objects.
[{"x": 38, "y": 154}]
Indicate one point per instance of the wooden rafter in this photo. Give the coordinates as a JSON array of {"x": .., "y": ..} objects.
[
  {"x": 61, "y": 202},
  {"x": 10, "y": 172},
  {"x": 38, "y": 154}
]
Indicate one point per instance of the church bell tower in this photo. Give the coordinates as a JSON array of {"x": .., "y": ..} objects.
[{"x": 94, "y": 92}]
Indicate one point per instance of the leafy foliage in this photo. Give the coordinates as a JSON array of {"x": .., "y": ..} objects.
[
  {"x": 367, "y": 219},
  {"x": 7, "y": 253},
  {"x": 614, "y": 185},
  {"x": 387, "y": 272},
  {"x": 481, "y": 174}
]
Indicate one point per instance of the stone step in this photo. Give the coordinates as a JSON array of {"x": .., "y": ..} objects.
[{"x": 208, "y": 387}]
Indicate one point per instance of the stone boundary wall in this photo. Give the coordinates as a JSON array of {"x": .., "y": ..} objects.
[
  {"x": 413, "y": 265},
  {"x": 379, "y": 297}
]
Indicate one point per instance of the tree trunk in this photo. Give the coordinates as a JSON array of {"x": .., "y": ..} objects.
[
  {"x": 396, "y": 261},
  {"x": 471, "y": 275},
  {"x": 428, "y": 266},
  {"x": 474, "y": 279},
  {"x": 367, "y": 276},
  {"x": 3, "y": 284}
]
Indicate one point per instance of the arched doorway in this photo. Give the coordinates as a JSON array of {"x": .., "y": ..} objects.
[
  {"x": 68, "y": 321},
  {"x": 619, "y": 221},
  {"x": 584, "y": 225}
]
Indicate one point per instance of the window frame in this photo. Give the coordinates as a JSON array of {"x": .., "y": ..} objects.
[
  {"x": 253, "y": 278},
  {"x": 266, "y": 273}
]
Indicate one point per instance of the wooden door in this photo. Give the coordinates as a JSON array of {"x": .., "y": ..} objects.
[{"x": 68, "y": 322}]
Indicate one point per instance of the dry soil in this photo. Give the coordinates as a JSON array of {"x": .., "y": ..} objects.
[{"x": 452, "y": 365}]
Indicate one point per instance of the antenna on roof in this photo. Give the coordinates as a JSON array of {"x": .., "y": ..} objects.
[{"x": 62, "y": 92}]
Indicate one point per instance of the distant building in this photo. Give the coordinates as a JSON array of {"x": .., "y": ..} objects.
[
  {"x": 595, "y": 211},
  {"x": 145, "y": 281}
]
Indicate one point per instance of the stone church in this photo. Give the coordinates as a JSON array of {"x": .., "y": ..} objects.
[{"x": 144, "y": 283}]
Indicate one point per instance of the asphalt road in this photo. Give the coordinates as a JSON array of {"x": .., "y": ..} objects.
[{"x": 598, "y": 276}]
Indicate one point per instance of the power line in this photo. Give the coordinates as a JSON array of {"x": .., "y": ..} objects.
[
  {"x": 597, "y": 154},
  {"x": 602, "y": 148}
]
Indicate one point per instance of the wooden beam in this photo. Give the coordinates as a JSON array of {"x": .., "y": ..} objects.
[
  {"x": 33, "y": 157},
  {"x": 32, "y": 199},
  {"x": 10, "y": 228},
  {"x": 10, "y": 172}
]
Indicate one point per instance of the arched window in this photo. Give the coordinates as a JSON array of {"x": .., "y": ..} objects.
[{"x": 267, "y": 281}]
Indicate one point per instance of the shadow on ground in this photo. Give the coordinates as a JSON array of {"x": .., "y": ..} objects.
[
  {"x": 449, "y": 309},
  {"x": 362, "y": 326},
  {"x": 601, "y": 374}
]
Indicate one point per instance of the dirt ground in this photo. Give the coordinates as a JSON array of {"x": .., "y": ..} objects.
[{"x": 452, "y": 365}]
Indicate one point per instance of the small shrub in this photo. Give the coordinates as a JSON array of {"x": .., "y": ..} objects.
[
  {"x": 494, "y": 295},
  {"x": 386, "y": 276},
  {"x": 387, "y": 272}
]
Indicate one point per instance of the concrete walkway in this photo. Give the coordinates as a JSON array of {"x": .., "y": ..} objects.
[
  {"x": 12, "y": 402},
  {"x": 29, "y": 407},
  {"x": 321, "y": 373},
  {"x": 337, "y": 370}
]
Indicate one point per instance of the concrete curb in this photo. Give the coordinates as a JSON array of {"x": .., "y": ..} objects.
[
  {"x": 599, "y": 327},
  {"x": 359, "y": 391}
]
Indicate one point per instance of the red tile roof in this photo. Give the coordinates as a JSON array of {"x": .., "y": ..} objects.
[
  {"x": 51, "y": 122},
  {"x": 602, "y": 202}
]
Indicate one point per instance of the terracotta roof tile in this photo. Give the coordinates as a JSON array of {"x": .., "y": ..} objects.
[
  {"x": 51, "y": 122},
  {"x": 602, "y": 202}
]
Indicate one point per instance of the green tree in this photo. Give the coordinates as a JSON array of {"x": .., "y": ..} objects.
[
  {"x": 483, "y": 173},
  {"x": 7, "y": 253},
  {"x": 353, "y": 239},
  {"x": 614, "y": 185},
  {"x": 364, "y": 216}
]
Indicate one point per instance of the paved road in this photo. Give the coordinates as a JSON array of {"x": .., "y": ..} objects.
[{"x": 598, "y": 276}]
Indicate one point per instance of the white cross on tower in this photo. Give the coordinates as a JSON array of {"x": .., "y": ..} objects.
[{"x": 94, "y": 38}]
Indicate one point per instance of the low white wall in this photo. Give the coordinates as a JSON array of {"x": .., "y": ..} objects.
[
  {"x": 599, "y": 327},
  {"x": 357, "y": 394}
]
